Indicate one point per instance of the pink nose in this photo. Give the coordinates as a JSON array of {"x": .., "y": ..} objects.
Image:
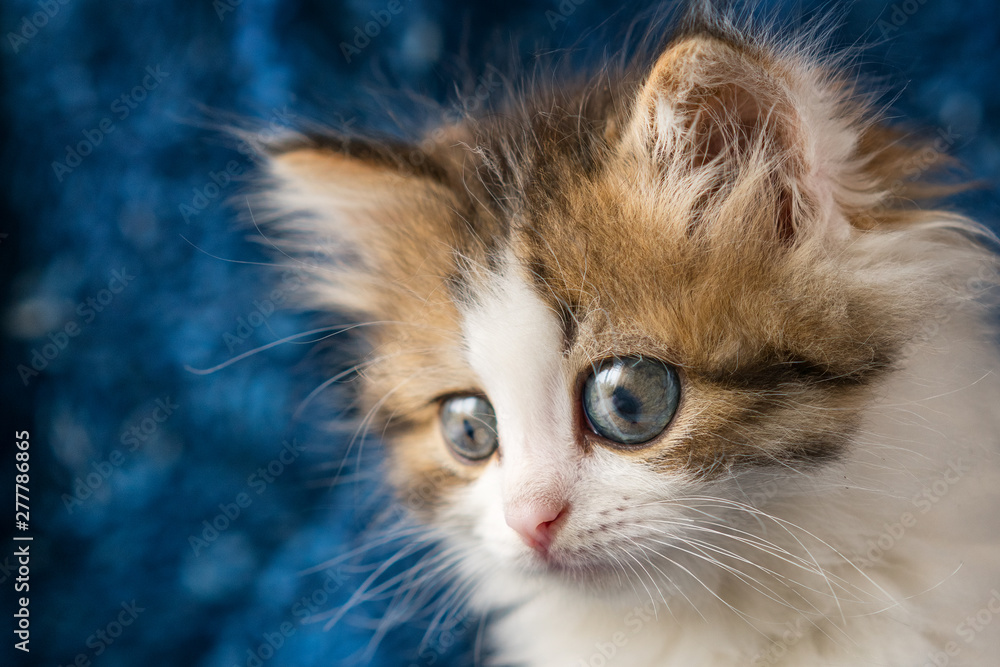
[{"x": 536, "y": 524}]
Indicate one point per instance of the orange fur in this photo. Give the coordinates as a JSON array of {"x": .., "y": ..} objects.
[{"x": 711, "y": 235}]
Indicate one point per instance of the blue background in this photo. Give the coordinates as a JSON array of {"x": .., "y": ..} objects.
[{"x": 197, "y": 277}]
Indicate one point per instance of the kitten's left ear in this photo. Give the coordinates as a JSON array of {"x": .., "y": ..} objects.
[
  {"x": 747, "y": 121},
  {"x": 372, "y": 220}
]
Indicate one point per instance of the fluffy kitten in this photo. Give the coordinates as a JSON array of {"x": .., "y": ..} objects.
[{"x": 674, "y": 366}]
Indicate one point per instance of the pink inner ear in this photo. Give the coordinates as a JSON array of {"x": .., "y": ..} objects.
[
  {"x": 728, "y": 125},
  {"x": 727, "y": 122},
  {"x": 707, "y": 103}
]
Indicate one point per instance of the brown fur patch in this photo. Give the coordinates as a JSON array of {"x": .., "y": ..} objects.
[{"x": 710, "y": 255}]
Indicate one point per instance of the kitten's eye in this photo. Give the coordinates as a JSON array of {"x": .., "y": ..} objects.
[
  {"x": 631, "y": 400},
  {"x": 470, "y": 426}
]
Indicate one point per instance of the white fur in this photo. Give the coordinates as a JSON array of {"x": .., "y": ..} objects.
[
  {"x": 890, "y": 556},
  {"x": 811, "y": 585},
  {"x": 513, "y": 345}
]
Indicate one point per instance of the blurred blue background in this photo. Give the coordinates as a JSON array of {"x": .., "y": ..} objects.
[{"x": 123, "y": 262}]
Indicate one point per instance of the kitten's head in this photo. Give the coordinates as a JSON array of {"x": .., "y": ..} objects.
[{"x": 605, "y": 315}]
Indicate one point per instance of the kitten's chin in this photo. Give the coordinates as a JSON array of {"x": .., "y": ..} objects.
[
  {"x": 531, "y": 576},
  {"x": 580, "y": 572}
]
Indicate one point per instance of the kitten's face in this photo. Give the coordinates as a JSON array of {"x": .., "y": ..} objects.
[
  {"x": 736, "y": 364},
  {"x": 659, "y": 295}
]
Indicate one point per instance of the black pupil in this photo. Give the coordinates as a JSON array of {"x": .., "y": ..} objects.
[
  {"x": 470, "y": 432},
  {"x": 626, "y": 404}
]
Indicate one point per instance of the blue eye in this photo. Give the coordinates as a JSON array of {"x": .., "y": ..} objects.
[
  {"x": 631, "y": 400},
  {"x": 469, "y": 426}
]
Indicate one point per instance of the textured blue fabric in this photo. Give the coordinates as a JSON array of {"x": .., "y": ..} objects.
[{"x": 123, "y": 262}]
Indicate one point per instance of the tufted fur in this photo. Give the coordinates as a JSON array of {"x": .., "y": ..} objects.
[{"x": 825, "y": 494}]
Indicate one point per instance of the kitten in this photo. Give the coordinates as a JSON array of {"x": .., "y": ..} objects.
[{"x": 672, "y": 363}]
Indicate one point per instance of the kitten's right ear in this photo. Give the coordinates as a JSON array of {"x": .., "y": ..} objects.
[
  {"x": 365, "y": 218},
  {"x": 733, "y": 112}
]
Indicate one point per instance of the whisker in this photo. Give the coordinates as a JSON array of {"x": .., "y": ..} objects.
[{"x": 337, "y": 328}]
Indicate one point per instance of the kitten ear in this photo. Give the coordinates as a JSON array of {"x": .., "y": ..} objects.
[
  {"x": 745, "y": 122},
  {"x": 362, "y": 218}
]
